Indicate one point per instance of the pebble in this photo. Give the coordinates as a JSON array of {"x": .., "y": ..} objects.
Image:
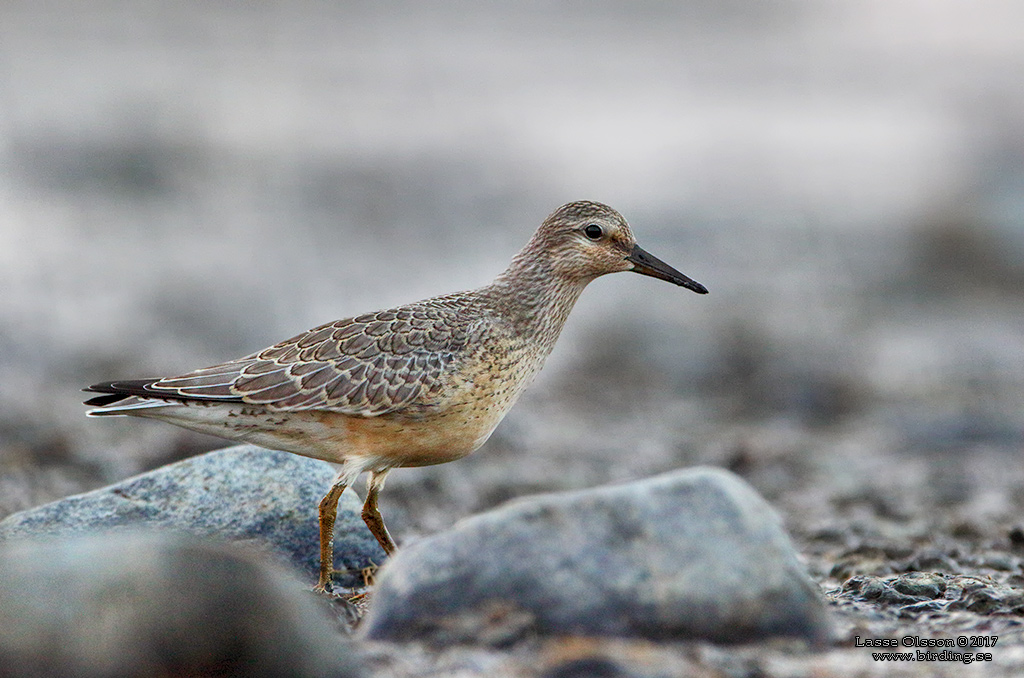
[
  {"x": 692, "y": 554},
  {"x": 157, "y": 604},
  {"x": 244, "y": 494}
]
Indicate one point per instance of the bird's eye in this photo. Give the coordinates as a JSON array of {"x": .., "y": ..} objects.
[{"x": 593, "y": 231}]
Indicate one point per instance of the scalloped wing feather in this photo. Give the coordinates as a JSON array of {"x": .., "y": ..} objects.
[{"x": 368, "y": 365}]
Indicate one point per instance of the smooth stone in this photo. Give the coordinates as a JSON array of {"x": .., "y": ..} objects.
[
  {"x": 920, "y": 584},
  {"x": 159, "y": 604},
  {"x": 243, "y": 494},
  {"x": 692, "y": 554}
]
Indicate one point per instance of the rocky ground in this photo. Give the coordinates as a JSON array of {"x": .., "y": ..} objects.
[
  {"x": 912, "y": 537},
  {"x": 904, "y": 537}
]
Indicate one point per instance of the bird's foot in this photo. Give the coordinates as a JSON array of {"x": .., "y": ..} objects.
[{"x": 325, "y": 586}]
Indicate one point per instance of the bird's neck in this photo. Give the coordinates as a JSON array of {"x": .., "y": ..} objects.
[{"x": 535, "y": 298}]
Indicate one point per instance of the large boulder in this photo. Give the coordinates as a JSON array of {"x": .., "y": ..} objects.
[
  {"x": 244, "y": 494},
  {"x": 157, "y": 604},
  {"x": 693, "y": 554}
]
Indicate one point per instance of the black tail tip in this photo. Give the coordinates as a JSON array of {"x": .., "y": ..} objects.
[{"x": 104, "y": 400}]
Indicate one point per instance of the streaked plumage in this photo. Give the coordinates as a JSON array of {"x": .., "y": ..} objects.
[{"x": 419, "y": 384}]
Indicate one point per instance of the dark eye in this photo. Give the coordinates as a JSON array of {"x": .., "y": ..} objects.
[{"x": 593, "y": 231}]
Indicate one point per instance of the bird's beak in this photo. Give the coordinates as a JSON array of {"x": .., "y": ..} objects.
[{"x": 648, "y": 264}]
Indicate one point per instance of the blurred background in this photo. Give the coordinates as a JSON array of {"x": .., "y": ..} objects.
[{"x": 181, "y": 184}]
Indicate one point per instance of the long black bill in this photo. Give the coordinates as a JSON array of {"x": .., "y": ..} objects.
[{"x": 648, "y": 264}]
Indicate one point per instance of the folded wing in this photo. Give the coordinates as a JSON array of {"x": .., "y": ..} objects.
[{"x": 368, "y": 366}]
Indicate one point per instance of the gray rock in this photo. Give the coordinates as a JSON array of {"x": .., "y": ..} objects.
[
  {"x": 134, "y": 604},
  {"x": 243, "y": 494},
  {"x": 685, "y": 555},
  {"x": 920, "y": 584}
]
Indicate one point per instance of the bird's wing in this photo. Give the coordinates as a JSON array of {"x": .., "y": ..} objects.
[{"x": 367, "y": 366}]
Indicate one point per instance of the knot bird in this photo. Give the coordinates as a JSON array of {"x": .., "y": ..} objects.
[{"x": 425, "y": 383}]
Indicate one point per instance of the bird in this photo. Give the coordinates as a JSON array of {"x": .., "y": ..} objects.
[{"x": 415, "y": 385}]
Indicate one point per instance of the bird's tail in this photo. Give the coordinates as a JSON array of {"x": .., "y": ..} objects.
[{"x": 123, "y": 397}]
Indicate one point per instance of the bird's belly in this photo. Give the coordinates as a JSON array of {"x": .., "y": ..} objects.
[
  {"x": 393, "y": 440},
  {"x": 387, "y": 441}
]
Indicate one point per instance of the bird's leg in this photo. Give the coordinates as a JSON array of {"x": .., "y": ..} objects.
[
  {"x": 371, "y": 515},
  {"x": 328, "y": 513}
]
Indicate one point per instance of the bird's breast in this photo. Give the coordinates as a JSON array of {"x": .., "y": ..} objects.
[{"x": 473, "y": 401}]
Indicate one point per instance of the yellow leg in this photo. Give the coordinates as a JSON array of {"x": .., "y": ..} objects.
[
  {"x": 328, "y": 513},
  {"x": 371, "y": 515}
]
